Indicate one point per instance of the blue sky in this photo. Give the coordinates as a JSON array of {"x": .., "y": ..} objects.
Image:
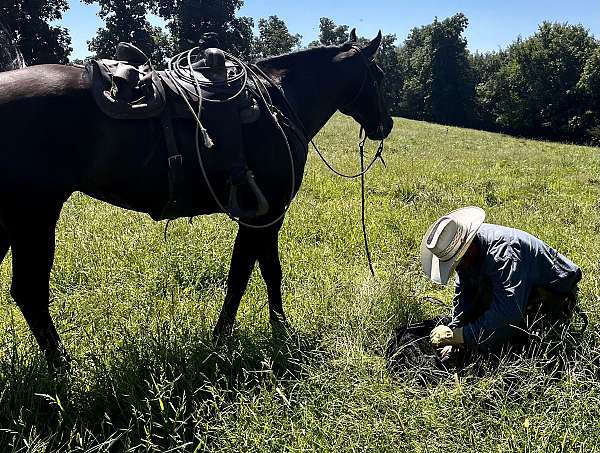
[{"x": 493, "y": 23}]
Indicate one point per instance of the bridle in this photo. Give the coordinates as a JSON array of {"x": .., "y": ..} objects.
[{"x": 368, "y": 75}]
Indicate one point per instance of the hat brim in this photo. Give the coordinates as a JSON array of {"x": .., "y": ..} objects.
[{"x": 440, "y": 271}]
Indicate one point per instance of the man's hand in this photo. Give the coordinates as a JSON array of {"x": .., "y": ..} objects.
[
  {"x": 445, "y": 353},
  {"x": 444, "y": 335}
]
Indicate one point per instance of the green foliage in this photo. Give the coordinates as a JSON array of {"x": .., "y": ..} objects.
[
  {"x": 136, "y": 312},
  {"x": 126, "y": 22},
  {"x": 438, "y": 80},
  {"x": 485, "y": 68},
  {"x": 29, "y": 22},
  {"x": 188, "y": 20},
  {"x": 330, "y": 34},
  {"x": 388, "y": 60},
  {"x": 535, "y": 91},
  {"x": 10, "y": 56},
  {"x": 274, "y": 38}
]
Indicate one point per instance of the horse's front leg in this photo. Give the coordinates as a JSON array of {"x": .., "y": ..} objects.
[
  {"x": 243, "y": 258},
  {"x": 270, "y": 268},
  {"x": 250, "y": 245}
]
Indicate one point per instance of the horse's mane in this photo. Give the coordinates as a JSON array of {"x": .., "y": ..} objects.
[{"x": 289, "y": 61}]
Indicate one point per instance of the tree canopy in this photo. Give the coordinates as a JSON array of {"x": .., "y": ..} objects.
[
  {"x": 330, "y": 34},
  {"x": 274, "y": 38},
  {"x": 29, "y": 23},
  {"x": 437, "y": 78},
  {"x": 538, "y": 88},
  {"x": 126, "y": 21},
  {"x": 188, "y": 20}
]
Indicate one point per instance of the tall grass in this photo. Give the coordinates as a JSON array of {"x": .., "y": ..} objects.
[{"x": 136, "y": 313}]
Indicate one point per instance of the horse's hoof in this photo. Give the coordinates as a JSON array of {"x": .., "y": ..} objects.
[
  {"x": 221, "y": 333},
  {"x": 280, "y": 326},
  {"x": 59, "y": 363}
]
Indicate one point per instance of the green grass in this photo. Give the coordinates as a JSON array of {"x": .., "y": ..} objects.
[{"x": 136, "y": 314}]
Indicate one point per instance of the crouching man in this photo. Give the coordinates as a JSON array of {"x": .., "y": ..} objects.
[{"x": 505, "y": 279}]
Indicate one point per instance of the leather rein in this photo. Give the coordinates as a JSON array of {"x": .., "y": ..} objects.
[{"x": 361, "y": 144}]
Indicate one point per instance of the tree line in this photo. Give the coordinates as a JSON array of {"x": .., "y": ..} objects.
[{"x": 544, "y": 86}]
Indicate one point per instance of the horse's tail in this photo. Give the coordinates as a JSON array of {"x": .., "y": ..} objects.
[{"x": 10, "y": 55}]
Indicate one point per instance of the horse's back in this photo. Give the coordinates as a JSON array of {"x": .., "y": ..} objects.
[
  {"x": 41, "y": 82},
  {"x": 42, "y": 111}
]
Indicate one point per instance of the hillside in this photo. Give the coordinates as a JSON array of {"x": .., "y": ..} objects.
[{"x": 136, "y": 313}]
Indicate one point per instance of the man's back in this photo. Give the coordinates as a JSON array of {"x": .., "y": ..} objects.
[{"x": 511, "y": 264}]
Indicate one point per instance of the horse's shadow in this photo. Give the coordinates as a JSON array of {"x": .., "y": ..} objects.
[{"x": 146, "y": 379}]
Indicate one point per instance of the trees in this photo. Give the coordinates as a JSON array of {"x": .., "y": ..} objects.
[
  {"x": 39, "y": 42},
  {"x": 438, "y": 83},
  {"x": 10, "y": 56},
  {"x": 535, "y": 91},
  {"x": 330, "y": 34},
  {"x": 126, "y": 21},
  {"x": 274, "y": 38},
  {"x": 188, "y": 20}
]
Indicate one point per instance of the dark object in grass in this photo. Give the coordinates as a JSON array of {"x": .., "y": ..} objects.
[
  {"x": 552, "y": 343},
  {"x": 55, "y": 141},
  {"x": 409, "y": 350}
]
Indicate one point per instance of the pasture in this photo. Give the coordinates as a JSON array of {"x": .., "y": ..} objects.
[{"x": 137, "y": 312}]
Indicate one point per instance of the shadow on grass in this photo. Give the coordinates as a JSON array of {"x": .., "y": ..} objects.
[{"x": 150, "y": 392}]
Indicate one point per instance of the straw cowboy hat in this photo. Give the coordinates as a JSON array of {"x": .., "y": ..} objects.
[{"x": 447, "y": 240}]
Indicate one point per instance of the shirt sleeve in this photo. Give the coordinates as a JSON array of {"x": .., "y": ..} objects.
[
  {"x": 509, "y": 301},
  {"x": 462, "y": 306}
]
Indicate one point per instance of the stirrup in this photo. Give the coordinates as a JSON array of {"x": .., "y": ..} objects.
[{"x": 234, "y": 207}]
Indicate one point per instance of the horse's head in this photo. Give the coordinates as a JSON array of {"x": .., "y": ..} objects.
[{"x": 364, "y": 99}]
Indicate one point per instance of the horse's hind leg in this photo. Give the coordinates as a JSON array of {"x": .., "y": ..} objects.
[{"x": 32, "y": 241}]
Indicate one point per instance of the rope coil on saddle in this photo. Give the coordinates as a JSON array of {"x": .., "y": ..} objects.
[{"x": 178, "y": 70}]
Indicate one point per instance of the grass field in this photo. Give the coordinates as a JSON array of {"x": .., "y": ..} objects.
[{"x": 136, "y": 313}]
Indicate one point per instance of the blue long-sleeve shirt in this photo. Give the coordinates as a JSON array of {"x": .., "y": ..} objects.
[{"x": 511, "y": 263}]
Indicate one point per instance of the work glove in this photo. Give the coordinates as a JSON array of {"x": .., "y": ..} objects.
[
  {"x": 445, "y": 352},
  {"x": 444, "y": 335}
]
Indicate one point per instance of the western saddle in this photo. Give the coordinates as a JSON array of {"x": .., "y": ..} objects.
[{"x": 128, "y": 87}]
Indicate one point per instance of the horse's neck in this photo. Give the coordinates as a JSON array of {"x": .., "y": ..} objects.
[
  {"x": 314, "y": 97},
  {"x": 314, "y": 100}
]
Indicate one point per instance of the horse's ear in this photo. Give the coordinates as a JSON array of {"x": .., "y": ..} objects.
[
  {"x": 373, "y": 47},
  {"x": 353, "y": 37}
]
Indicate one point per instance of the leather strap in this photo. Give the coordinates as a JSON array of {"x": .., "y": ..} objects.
[{"x": 175, "y": 169}]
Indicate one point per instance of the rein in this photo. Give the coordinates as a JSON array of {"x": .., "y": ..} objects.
[
  {"x": 361, "y": 147},
  {"x": 363, "y": 170}
]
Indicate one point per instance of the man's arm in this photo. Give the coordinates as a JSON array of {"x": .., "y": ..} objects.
[{"x": 462, "y": 304}]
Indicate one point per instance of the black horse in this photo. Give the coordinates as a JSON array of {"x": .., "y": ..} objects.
[{"x": 55, "y": 141}]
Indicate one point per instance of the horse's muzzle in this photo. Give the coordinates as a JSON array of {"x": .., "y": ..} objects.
[{"x": 381, "y": 131}]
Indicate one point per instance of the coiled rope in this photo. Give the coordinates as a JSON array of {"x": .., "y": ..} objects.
[{"x": 181, "y": 67}]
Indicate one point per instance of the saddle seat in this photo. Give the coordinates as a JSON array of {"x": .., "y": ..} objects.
[{"x": 128, "y": 87}]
